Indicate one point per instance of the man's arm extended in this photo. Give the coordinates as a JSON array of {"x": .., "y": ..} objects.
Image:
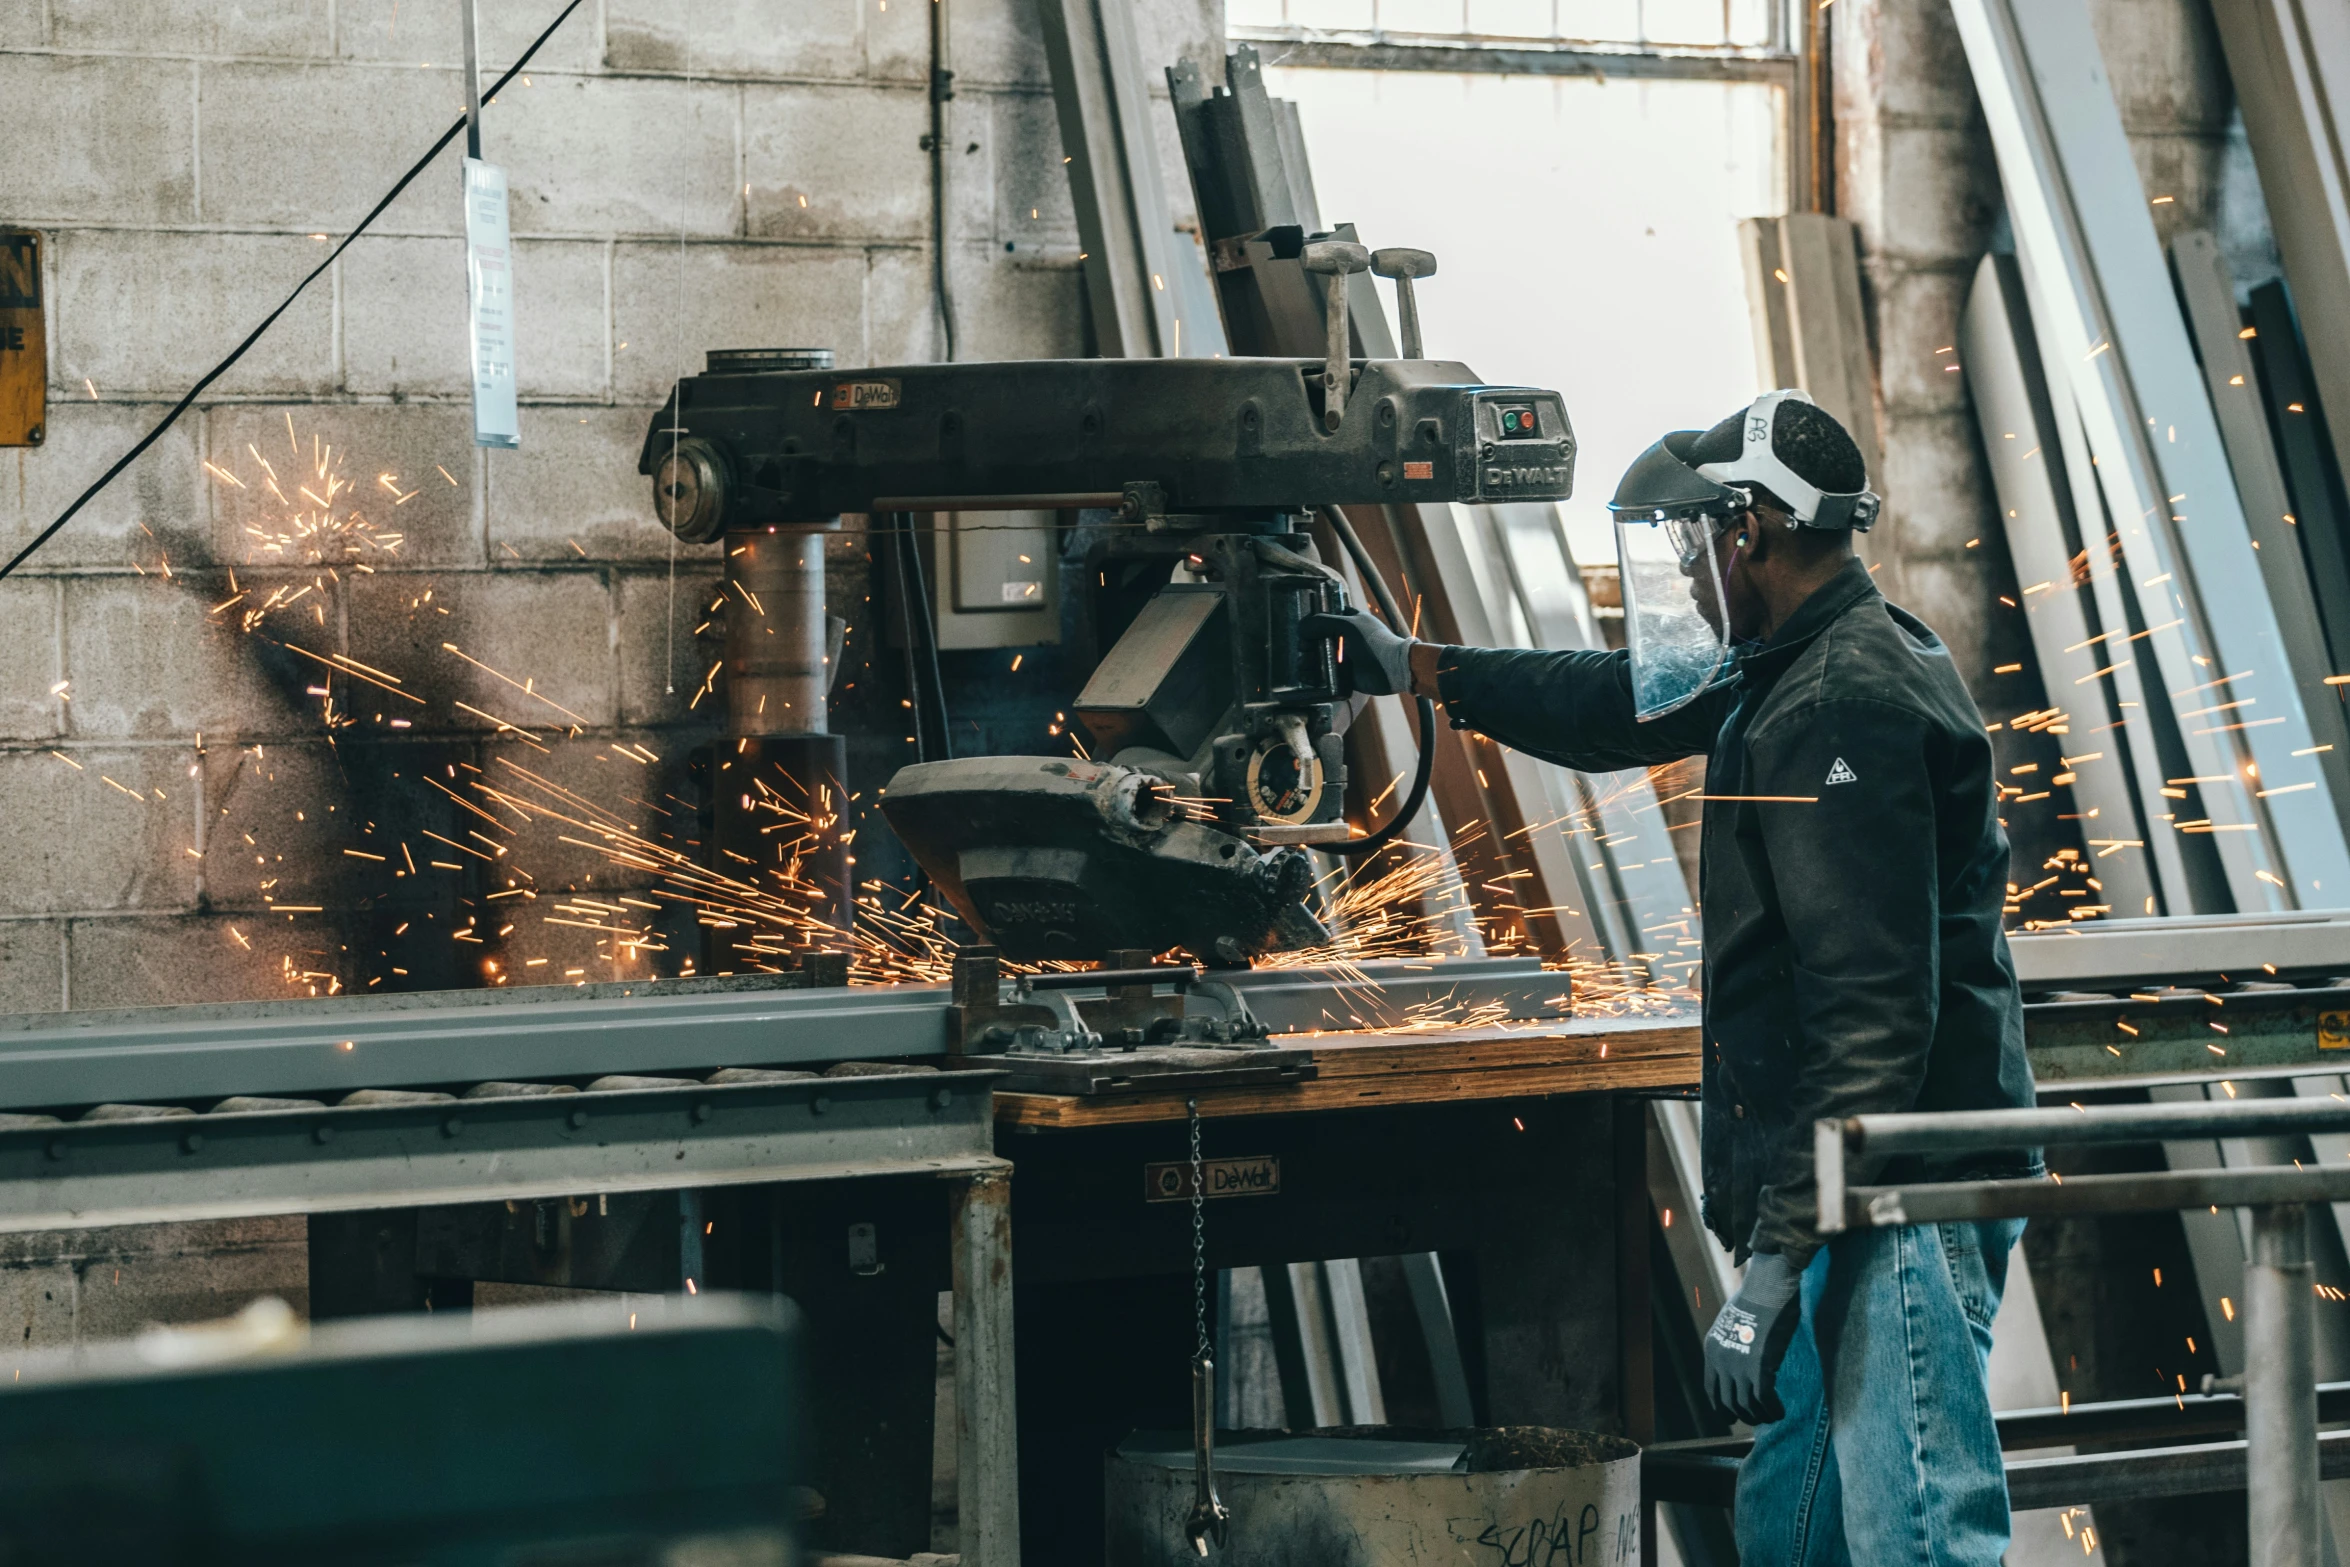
[
  {"x": 1571, "y": 708},
  {"x": 1850, "y": 839}
]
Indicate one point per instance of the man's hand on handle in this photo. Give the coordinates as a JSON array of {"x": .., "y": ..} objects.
[{"x": 1748, "y": 1340}]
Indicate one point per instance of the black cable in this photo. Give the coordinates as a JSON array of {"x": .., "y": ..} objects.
[
  {"x": 942, "y": 88},
  {"x": 270, "y": 320},
  {"x": 938, "y": 684},
  {"x": 901, "y": 539},
  {"x": 1388, "y": 607}
]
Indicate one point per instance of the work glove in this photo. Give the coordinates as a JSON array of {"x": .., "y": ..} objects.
[
  {"x": 1377, "y": 661},
  {"x": 1748, "y": 1340}
]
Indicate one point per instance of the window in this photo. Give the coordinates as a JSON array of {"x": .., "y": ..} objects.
[{"x": 1585, "y": 228}]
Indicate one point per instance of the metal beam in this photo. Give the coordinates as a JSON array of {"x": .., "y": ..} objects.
[
  {"x": 1496, "y": 56},
  {"x": 164, "y": 1170},
  {"x": 2045, "y": 538},
  {"x": 457, "y": 1038},
  {"x": 2291, "y": 64},
  {"x": 1123, "y": 220},
  {"x": 2110, "y": 329},
  {"x": 2118, "y": 954}
]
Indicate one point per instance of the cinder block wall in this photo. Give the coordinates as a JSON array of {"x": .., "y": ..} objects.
[{"x": 686, "y": 174}]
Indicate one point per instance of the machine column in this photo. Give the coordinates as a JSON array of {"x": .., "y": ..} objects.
[{"x": 2280, "y": 1391}]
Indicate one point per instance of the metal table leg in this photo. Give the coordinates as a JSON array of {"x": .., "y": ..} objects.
[
  {"x": 987, "y": 1434},
  {"x": 2280, "y": 1391}
]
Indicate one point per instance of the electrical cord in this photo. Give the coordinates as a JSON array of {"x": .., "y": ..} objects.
[
  {"x": 270, "y": 320},
  {"x": 1356, "y": 847}
]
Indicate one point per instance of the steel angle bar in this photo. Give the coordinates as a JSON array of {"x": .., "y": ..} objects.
[
  {"x": 329, "y": 1046},
  {"x": 2123, "y": 953},
  {"x": 167, "y": 1170},
  {"x": 1122, "y": 213},
  {"x": 2296, "y": 422},
  {"x": 2110, "y": 327},
  {"x": 2044, "y": 539},
  {"x": 2290, "y": 60},
  {"x": 2209, "y": 293},
  {"x": 1380, "y": 51}
]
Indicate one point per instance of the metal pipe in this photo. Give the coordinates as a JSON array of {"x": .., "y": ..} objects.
[
  {"x": 1953, "y": 1202},
  {"x": 1959, "y": 1131},
  {"x": 777, "y": 677},
  {"x": 2280, "y": 1395}
]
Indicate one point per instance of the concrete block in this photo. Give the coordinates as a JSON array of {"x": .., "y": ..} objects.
[
  {"x": 1934, "y": 484},
  {"x": 573, "y": 493},
  {"x": 29, "y": 706},
  {"x": 1901, "y": 61},
  {"x": 397, "y": 461},
  {"x": 109, "y": 829},
  {"x": 736, "y": 296},
  {"x": 822, "y": 38},
  {"x": 149, "y": 312},
  {"x": 200, "y": 957},
  {"x": 998, "y": 43},
  {"x": 661, "y": 669},
  {"x": 133, "y": 1279},
  {"x": 836, "y": 162},
  {"x": 2164, "y": 60},
  {"x": 584, "y": 790},
  {"x": 1033, "y": 208},
  {"x": 620, "y": 155},
  {"x": 1172, "y": 30},
  {"x": 897, "y": 42},
  {"x": 403, "y": 309},
  {"x": 901, "y": 318},
  {"x": 1922, "y": 193},
  {"x": 148, "y": 661},
  {"x": 550, "y": 629},
  {"x": 240, "y": 27},
  {"x": 1917, "y": 313},
  {"x": 1017, "y": 310},
  {"x": 32, "y": 979},
  {"x": 112, "y": 140},
  {"x": 24, "y": 24},
  {"x": 404, "y": 323},
  {"x": 310, "y": 147},
  {"x": 562, "y": 317},
  {"x": 277, "y": 819},
  {"x": 155, "y": 512},
  {"x": 386, "y": 31}
]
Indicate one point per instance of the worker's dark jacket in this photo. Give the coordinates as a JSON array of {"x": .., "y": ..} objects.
[{"x": 1853, "y": 873}]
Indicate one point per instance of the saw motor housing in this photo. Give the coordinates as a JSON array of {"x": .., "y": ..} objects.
[{"x": 1219, "y": 724}]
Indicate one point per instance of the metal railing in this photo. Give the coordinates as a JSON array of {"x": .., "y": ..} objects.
[{"x": 2280, "y": 1379}]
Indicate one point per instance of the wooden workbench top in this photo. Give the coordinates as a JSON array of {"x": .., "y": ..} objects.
[{"x": 1441, "y": 1065}]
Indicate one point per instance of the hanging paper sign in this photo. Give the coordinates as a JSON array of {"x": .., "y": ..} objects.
[{"x": 489, "y": 276}]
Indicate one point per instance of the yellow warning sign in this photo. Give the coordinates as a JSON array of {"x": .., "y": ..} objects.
[
  {"x": 24, "y": 343},
  {"x": 2333, "y": 1031}
]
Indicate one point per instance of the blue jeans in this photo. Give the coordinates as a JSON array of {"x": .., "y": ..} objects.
[{"x": 1888, "y": 1455}]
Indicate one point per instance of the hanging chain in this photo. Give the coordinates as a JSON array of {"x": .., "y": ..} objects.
[{"x": 1199, "y": 1241}]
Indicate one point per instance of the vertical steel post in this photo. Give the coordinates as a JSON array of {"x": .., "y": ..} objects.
[
  {"x": 472, "y": 80},
  {"x": 987, "y": 1427},
  {"x": 2280, "y": 1391}
]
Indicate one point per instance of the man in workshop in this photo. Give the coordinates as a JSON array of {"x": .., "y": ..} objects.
[{"x": 1854, "y": 868}]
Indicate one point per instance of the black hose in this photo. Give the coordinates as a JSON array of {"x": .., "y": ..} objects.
[
  {"x": 1387, "y": 606},
  {"x": 900, "y": 528},
  {"x": 938, "y": 684}
]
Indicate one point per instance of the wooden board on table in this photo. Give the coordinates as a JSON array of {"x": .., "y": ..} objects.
[{"x": 1433, "y": 1066}]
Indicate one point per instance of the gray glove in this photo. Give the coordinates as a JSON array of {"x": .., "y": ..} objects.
[
  {"x": 1748, "y": 1340},
  {"x": 1376, "y": 660}
]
